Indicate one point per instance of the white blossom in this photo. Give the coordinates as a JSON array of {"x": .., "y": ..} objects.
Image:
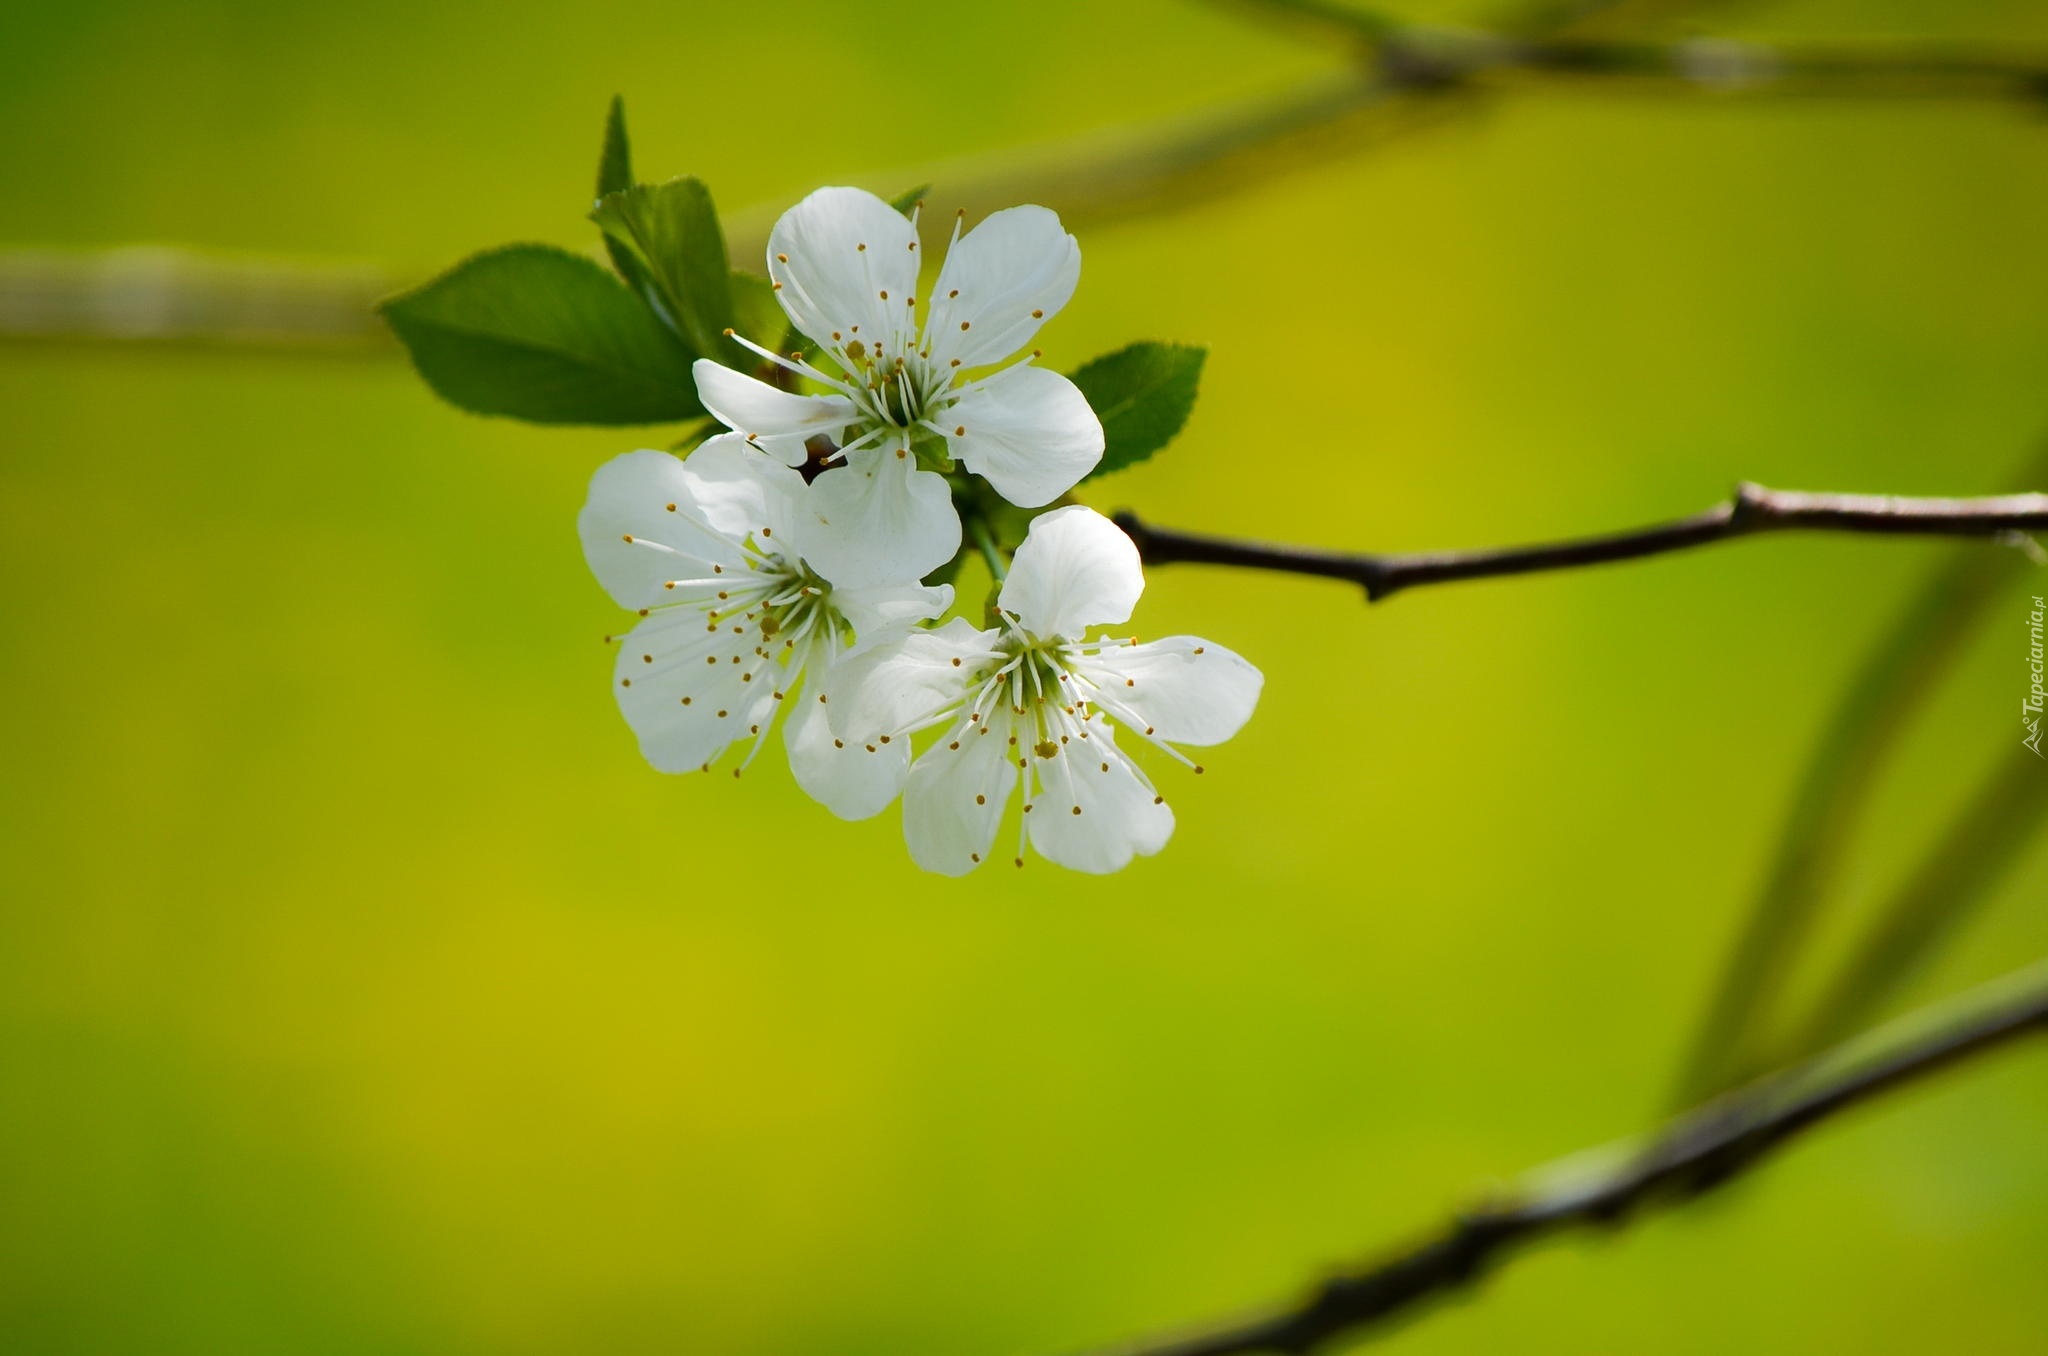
[
  {"x": 734, "y": 622},
  {"x": 1032, "y": 703},
  {"x": 845, "y": 266}
]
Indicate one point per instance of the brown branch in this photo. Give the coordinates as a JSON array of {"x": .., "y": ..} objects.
[
  {"x": 1722, "y": 66},
  {"x": 1719, "y": 65},
  {"x": 1702, "y": 1150},
  {"x": 1752, "y": 510},
  {"x": 1423, "y": 56}
]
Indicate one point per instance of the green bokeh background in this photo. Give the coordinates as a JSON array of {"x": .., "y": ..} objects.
[{"x": 361, "y": 990}]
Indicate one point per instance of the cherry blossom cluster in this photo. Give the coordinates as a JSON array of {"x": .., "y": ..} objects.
[{"x": 779, "y": 570}]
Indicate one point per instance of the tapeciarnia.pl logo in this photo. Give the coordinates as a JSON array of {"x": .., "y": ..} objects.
[{"x": 2030, "y": 710}]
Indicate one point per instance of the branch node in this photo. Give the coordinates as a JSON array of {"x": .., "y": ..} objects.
[
  {"x": 1751, "y": 502},
  {"x": 2026, "y": 544}
]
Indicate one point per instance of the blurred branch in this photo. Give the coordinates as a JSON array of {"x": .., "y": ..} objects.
[
  {"x": 1725, "y": 66},
  {"x": 1418, "y": 55},
  {"x": 1987, "y": 836},
  {"x": 157, "y": 294},
  {"x": 1116, "y": 174},
  {"x": 1398, "y": 78},
  {"x": 1753, "y": 510},
  {"x": 1178, "y": 162},
  {"x": 168, "y": 295},
  {"x": 1705, "y": 1149},
  {"x": 1593, "y": 17},
  {"x": 1410, "y": 77},
  {"x": 1871, "y": 720},
  {"x": 1864, "y": 729}
]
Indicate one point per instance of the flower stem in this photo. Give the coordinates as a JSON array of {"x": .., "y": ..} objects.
[{"x": 998, "y": 564}]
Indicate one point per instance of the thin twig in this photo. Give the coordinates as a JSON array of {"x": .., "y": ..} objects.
[
  {"x": 1711, "y": 1146},
  {"x": 1751, "y": 511}
]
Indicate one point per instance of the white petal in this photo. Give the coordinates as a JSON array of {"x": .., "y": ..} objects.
[
  {"x": 740, "y": 492},
  {"x": 1029, "y": 432},
  {"x": 885, "y": 613},
  {"x": 671, "y": 656},
  {"x": 851, "y": 780},
  {"x": 902, "y": 686},
  {"x": 955, "y": 798},
  {"x": 1183, "y": 689},
  {"x": 635, "y": 542},
  {"x": 880, "y": 520},
  {"x": 1095, "y": 811},
  {"x": 1076, "y": 569},
  {"x": 835, "y": 254},
  {"x": 1012, "y": 273},
  {"x": 778, "y": 421}
]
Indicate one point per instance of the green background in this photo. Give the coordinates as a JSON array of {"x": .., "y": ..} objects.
[{"x": 361, "y": 990}]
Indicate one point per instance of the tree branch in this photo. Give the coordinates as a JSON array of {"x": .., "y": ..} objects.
[
  {"x": 1707, "y": 1148},
  {"x": 1752, "y": 510},
  {"x": 1725, "y": 66},
  {"x": 1424, "y": 56}
]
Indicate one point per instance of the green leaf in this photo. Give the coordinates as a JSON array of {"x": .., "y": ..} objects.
[
  {"x": 673, "y": 230},
  {"x": 537, "y": 333},
  {"x": 615, "y": 164},
  {"x": 906, "y": 202},
  {"x": 1142, "y": 395},
  {"x": 615, "y": 175}
]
